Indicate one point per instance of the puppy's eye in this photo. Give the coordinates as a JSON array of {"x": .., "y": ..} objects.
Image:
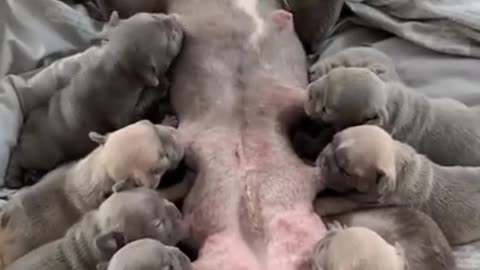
[
  {"x": 167, "y": 267},
  {"x": 344, "y": 172},
  {"x": 372, "y": 118},
  {"x": 160, "y": 224},
  {"x": 379, "y": 178}
]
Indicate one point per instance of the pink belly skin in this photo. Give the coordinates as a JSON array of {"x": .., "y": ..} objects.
[{"x": 251, "y": 205}]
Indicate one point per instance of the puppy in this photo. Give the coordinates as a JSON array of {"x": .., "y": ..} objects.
[
  {"x": 123, "y": 218},
  {"x": 356, "y": 248},
  {"x": 113, "y": 89},
  {"x": 375, "y": 170},
  {"x": 446, "y": 131},
  {"x": 137, "y": 155},
  {"x": 423, "y": 244},
  {"x": 147, "y": 254},
  {"x": 366, "y": 57}
]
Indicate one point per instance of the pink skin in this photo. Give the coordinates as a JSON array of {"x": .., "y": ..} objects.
[{"x": 251, "y": 205}]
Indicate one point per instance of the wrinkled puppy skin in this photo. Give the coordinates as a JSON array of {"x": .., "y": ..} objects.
[
  {"x": 445, "y": 130},
  {"x": 356, "y": 248},
  {"x": 112, "y": 90},
  {"x": 366, "y": 57},
  {"x": 374, "y": 170},
  {"x": 137, "y": 155},
  {"x": 147, "y": 254},
  {"x": 423, "y": 243},
  {"x": 123, "y": 218}
]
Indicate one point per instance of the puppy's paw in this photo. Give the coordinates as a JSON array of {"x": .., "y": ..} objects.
[
  {"x": 336, "y": 226},
  {"x": 170, "y": 120},
  {"x": 317, "y": 70}
]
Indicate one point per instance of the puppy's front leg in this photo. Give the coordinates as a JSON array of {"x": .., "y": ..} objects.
[{"x": 327, "y": 206}]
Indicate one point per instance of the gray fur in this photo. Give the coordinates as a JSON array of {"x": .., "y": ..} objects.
[
  {"x": 114, "y": 88},
  {"x": 147, "y": 254},
  {"x": 445, "y": 130},
  {"x": 423, "y": 244},
  {"x": 366, "y": 57},
  {"x": 356, "y": 248},
  {"x": 137, "y": 155},
  {"x": 313, "y": 19},
  {"x": 376, "y": 170},
  {"x": 123, "y": 218}
]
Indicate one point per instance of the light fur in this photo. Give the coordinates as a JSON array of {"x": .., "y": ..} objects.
[
  {"x": 356, "y": 248},
  {"x": 376, "y": 170},
  {"x": 445, "y": 130},
  {"x": 137, "y": 155}
]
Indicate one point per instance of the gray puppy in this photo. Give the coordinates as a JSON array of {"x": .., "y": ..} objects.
[
  {"x": 366, "y": 57},
  {"x": 147, "y": 254},
  {"x": 415, "y": 234},
  {"x": 375, "y": 170},
  {"x": 137, "y": 155},
  {"x": 114, "y": 88},
  {"x": 445, "y": 130},
  {"x": 123, "y": 218},
  {"x": 356, "y": 248}
]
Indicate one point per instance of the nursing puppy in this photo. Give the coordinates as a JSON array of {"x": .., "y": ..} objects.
[
  {"x": 147, "y": 254},
  {"x": 356, "y": 248},
  {"x": 123, "y": 218},
  {"x": 375, "y": 170},
  {"x": 113, "y": 89},
  {"x": 366, "y": 57},
  {"x": 137, "y": 155},
  {"x": 446, "y": 131},
  {"x": 423, "y": 243}
]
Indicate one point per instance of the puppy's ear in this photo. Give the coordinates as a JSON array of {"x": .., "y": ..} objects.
[
  {"x": 114, "y": 20},
  {"x": 124, "y": 185},
  {"x": 102, "y": 266},
  {"x": 109, "y": 243},
  {"x": 98, "y": 138},
  {"x": 385, "y": 184},
  {"x": 379, "y": 119}
]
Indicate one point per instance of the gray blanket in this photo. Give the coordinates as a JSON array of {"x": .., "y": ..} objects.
[
  {"x": 33, "y": 34},
  {"x": 450, "y": 26}
]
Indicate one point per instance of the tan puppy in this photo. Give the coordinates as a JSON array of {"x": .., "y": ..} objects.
[
  {"x": 137, "y": 155},
  {"x": 446, "y": 131},
  {"x": 366, "y": 57},
  {"x": 379, "y": 171},
  {"x": 147, "y": 254},
  {"x": 423, "y": 243},
  {"x": 356, "y": 248},
  {"x": 123, "y": 218}
]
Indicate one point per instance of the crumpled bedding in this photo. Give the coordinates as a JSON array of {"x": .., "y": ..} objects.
[
  {"x": 34, "y": 34},
  {"x": 443, "y": 25}
]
